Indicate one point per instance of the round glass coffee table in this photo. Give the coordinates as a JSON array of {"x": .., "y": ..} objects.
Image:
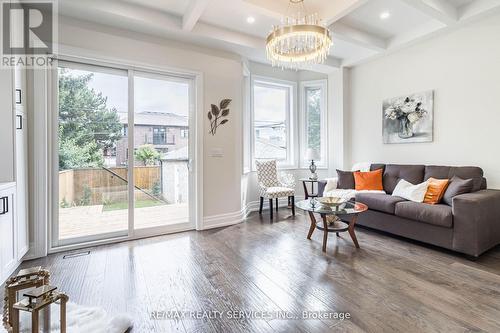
[{"x": 333, "y": 219}]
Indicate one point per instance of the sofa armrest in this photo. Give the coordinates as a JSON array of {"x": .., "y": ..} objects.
[
  {"x": 476, "y": 221},
  {"x": 321, "y": 187},
  {"x": 327, "y": 185}
]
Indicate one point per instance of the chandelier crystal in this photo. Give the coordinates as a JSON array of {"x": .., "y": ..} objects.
[{"x": 301, "y": 40}]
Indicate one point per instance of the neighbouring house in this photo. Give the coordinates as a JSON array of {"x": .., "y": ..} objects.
[
  {"x": 174, "y": 172},
  {"x": 270, "y": 140},
  {"x": 164, "y": 130}
]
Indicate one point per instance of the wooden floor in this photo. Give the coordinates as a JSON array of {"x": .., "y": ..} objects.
[{"x": 389, "y": 285}]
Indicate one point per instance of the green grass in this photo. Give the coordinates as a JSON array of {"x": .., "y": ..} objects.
[{"x": 138, "y": 204}]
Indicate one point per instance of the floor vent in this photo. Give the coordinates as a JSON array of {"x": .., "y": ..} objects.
[{"x": 76, "y": 254}]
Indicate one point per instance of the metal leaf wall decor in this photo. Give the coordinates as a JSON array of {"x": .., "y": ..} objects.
[{"x": 217, "y": 114}]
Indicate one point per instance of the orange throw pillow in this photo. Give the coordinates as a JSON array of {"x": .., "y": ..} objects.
[
  {"x": 435, "y": 190},
  {"x": 368, "y": 181}
]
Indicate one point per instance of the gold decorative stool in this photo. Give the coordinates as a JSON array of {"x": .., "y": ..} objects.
[
  {"x": 26, "y": 278},
  {"x": 36, "y": 300}
]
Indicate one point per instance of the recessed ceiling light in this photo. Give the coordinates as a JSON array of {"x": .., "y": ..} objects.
[
  {"x": 385, "y": 15},
  {"x": 250, "y": 19}
]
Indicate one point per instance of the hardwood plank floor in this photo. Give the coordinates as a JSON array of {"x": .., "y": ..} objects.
[{"x": 389, "y": 285}]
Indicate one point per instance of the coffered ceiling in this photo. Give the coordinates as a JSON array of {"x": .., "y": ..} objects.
[{"x": 362, "y": 29}]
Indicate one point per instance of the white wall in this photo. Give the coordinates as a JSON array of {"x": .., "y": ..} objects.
[
  {"x": 463, "y": 67},
  {"x": 222, "y": 75}
]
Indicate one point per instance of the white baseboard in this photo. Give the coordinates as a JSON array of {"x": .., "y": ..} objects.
[
  {"x": 224, "y": 220},
  {"x": 11, "y": 269}
]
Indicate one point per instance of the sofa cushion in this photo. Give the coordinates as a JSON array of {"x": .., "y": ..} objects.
[
  {"x": 457, "y": 186},
  {"x": 440, "y": 215},
  {"x": 394, "y": 173},
  {"x": 379, "y": 201},
  {"x": 466, "y": 172},
  {"x": 345, "y": 180}
]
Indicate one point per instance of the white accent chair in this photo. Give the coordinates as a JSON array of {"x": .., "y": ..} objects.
[{"x": 271, "y": 187}]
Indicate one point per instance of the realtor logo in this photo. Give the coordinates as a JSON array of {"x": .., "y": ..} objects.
[{"x": 28, "y": 33}]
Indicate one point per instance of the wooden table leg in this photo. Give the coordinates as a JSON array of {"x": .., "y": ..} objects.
[
  {"x": 325, "y": 231},
  {"x": 34, "y": 321},
  {"x": 64, "y": 300},
  {"x": 12, "y": 299},
  {"x": 313, "y": 225},
  {"x": 306, "y": 192},
  {"x": 46, "y": 319},
  {"x": 14, "y": 319},
  {"x": 351, "y": 230}
]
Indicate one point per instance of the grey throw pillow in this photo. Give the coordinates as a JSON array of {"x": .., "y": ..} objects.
[
  {"x": 457, "y": 186},
  {"x": 346, "y": 180}
]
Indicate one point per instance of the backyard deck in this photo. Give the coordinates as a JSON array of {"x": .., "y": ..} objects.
[{"x": 94, "y": 220}]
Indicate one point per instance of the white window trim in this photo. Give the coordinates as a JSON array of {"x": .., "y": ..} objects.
[
  {"x": 323, "y": 84},
  {"x": 292, "y": 142},
  {"x": 245, "y": 121},
  {"x": 44, "y": 83}
]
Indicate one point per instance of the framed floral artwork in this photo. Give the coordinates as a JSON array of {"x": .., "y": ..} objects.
[{"x": 409, "y": 119}]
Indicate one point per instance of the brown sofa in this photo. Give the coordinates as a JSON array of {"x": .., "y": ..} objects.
[{"x": 471, "y": 225}]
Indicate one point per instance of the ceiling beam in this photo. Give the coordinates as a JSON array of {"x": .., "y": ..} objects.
[
  {"x": 360, "y": 38},
  {"x": 440, "y": 10},
  {"x": 343, "y": 8},
  {"x": 193, "y": 14},
  {"x": 478, "y": 8},
  {"x": 228, "y": 36}
]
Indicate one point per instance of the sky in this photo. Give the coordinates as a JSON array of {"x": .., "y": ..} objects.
[
  {"x": 152, "y": 95},
  {"x": 270, "y": 104}
]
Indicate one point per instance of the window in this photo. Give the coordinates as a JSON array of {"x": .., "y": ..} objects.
[
  {"x": 125, "y": 130},
  {"x": 313, "y": 120},
  {"x": 272, "y": 121},
  {"x": 184, "y": 133},
  {"x": 163, "y": 136},
  {"x": 159, "y": 135}
]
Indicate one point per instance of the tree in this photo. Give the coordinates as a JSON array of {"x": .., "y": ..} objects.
[
  {"x": 73, "y": 156},
  {"x": 86, "y": 125},
  {"x": 147, "y": 154}
]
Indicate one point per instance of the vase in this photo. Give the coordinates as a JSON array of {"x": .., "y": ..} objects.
[{"x": 405, "y": 128}]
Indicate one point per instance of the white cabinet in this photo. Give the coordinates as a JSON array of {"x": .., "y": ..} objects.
[{"x": 8, "y": 232}]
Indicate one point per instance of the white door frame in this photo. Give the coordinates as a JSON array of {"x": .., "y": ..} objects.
[{"x": 195, "y": 141}]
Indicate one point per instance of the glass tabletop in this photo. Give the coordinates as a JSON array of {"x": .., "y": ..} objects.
[{"x": 347, "y": 208}]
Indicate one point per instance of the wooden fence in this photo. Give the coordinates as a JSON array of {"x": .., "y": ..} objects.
[{"x": 96, "y": 186}]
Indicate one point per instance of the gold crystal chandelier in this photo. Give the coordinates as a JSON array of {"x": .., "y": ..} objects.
[{"x": 301, "y": 40}]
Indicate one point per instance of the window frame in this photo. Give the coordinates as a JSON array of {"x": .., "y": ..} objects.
[
  {"x": 291, "y": 161},
  {"x": 303, "y": 145}
]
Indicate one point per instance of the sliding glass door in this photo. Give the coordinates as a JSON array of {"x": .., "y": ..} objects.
[
  {"x": 93, "y": 106},
  {"x": 161, "y": 150},
  {"x": 123, "y": 153}
]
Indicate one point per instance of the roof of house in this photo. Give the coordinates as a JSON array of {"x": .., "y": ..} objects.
[
  {"x": 268, "y": 150},
  {"x": 180, "y": 154},
  {"x": 150, "y": 118}
]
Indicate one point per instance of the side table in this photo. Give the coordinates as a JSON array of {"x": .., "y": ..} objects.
[{"x": 310, "y": 194}]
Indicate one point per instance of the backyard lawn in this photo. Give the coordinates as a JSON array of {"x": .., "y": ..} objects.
[{"x": 138, "y": 204}]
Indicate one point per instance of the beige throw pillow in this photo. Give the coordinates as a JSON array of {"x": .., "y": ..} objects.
[{"x": 408, "y": 191}]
